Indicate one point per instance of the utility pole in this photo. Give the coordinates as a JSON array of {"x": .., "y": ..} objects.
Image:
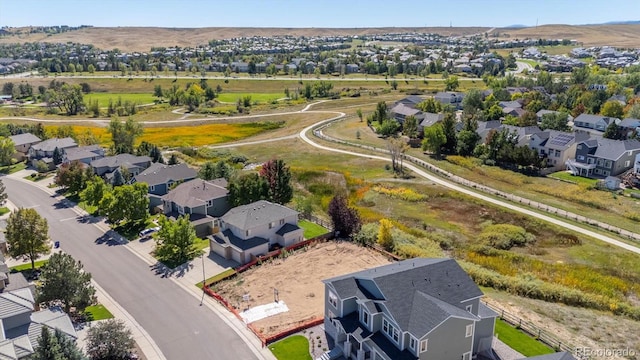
[{"x": 204, "y": 280}]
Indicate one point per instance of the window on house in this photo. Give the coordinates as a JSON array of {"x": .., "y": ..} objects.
[
  {"x": 590, "y": 160},
  {"x": 333, "y": 299},
  {"x": 600, "y": 162},
  {"x": 385, "y": 326},
  {"x": 396, "y": 336},
  {"x": 469, "y": 330},
  {"x": 271, "y": 224},
  {"x": 557, "y": 153},
  {"x": 209, "y": 203},
  {"x": 466, "y": 356},
  {"x": 365, "y": 317},
  {"x": 423, "y": 345},
  {"x": 469, "y": 308},
  {"x": 581, "y": 157},
  {"x": 608, "y": 164},
  {"x": 627, "y": 163},
  {"x": 247, "y": 232},
  {"x": 579, "y": 147},
  {"x": 412, "y": 343},
  {"x": 281, "y": 221},
  {"x": 180, "y": 210},
  {"x": 152, "y": 188}
]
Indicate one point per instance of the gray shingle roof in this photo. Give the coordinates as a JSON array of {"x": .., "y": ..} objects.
[
  {"x": 630, "y": 123},
  {"x": 83, "y": 152},
  {"x": 430, "y": 119},
  {"x": 119, "y": 160},
  {"x": 592, "y": 119},
  {"x": 157, "y": 174},
  {"x": 16, "y": 302},
  {"x": 237, "y": 242},
  {"x": 197, "y": 192},
  {"x": 411, "y": 287},
  {"x": 22, "y": 139},
  {"x": 256, "y": 214},
  {"x": 404, "y": 110},
  {"x": 52, "y": 144},
  {"x": 613, "y": 149},
  {"x": 287, "y": 228}
]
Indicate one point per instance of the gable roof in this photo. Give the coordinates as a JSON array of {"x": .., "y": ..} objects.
[
  {"x": 287, "y": 228},
  {"x": 53, "y": 143},
  {"x": 257, "y": 213},
  {"x": 593, "y": 119},
  {"x": 411, "y": 99},
  {"x": 405, "y": 110},
  {"x": 15, "y": 303},
  {"x": 410, "y": 287},
  {"x": 630, "y": 123},
  {"x": 613, "y": 149},
  {"x": 431, "y": 119},
  {"x": 229, "y": 238},
  {"x": 562, "y": 140},
  {"x": 510, "y": 104},
  {"x": 22, "y": 139},
  {"x": 197, "y": 192},
  {"x": 119, "y": 160},
  {"x": 83, "y": 152},
  {"x": 157, "y": 174}
]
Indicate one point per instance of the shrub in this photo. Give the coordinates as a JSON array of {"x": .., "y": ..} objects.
[
  {"x": 367, "y": 235},
  {"x": 400, "y": 193},
  {"x": 505, "y": 236}
]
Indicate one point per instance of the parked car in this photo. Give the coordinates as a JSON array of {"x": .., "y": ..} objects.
[{"x": 149, "y": 231}]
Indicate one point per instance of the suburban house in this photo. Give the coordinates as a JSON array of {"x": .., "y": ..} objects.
[
  {"x": 21, "y": 326},
  {"x": 556, "y": 146},
  {"x": 603, "y": 157},
  {"x": 43, "y": 151},
  {"x": 83, "y": 154},
  {"x": 250, "y": 230},
  {"x": 629, "y": 128},
  {"x": 160, "y": 177},
  {"x": 410, "y": 101},
  {"x": 107, "y": 166},
  {"x": 22, "y": 144},
  {"x": 636, "y": 165},
  {"x": 198, "y": 198},
  {"x": 593, "y": 122},
  {"x": 427, "y": 120},
  {"x": 401, "y": 111},
  {"x": 414, "y": 309},
  {"x": 450, "y": 98},
  {"x": 10, "y": 281}
]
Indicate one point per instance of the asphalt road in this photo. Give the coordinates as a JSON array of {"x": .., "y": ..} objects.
[{"x": 181, "y": 328}]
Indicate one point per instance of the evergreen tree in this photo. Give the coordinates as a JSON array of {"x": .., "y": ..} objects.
[
  {"x": 278, "y": 179},
  {"x": 3, "y": 194},
  {"x": 57, "y": 156}
]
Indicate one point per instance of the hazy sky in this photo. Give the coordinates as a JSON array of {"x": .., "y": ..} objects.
[{"x": 314, "y": 13}]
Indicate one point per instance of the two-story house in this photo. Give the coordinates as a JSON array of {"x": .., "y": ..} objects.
[
  {"x": 414, "y": 309},
  {"x": 587, "y": 122},
  {"x": 557, "y": 146},
  {"x": 161, "y": 177},
  {"x": 249, "y": 230},
  {"x": 401, "y": 111},
  {"x": 450, "y": 98},
  {"x": 43, "y": 151},
  {"x": 83, "y": 154},
  {"x": 107, "y": 166},
  {"x": 20, "y": 326},
  {"x": 603, "y": 157},
  {"x": 22, "y": 143}
]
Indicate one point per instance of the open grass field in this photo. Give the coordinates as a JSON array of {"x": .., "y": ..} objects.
[
  {"x": 103, "y": 98},
  {"x": 292, "y": 348},
  {"x": 587, "y": 35},
  {"x": 566, "y": 176},
  {"x": 255, "y": 97},
  {"x": 298, "y": 280},
  {"x": 143, "y": 38},
  {"x": 519, "y": 341}
]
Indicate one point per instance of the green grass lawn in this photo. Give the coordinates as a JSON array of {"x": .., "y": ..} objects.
[
  {"x": 103, "y": 98},
  {"x": 564, "y": 175},
  {"x": 519, "y": 341},
  {"x": 292, "y": 348},
  {"x": 255, "y": 97},
  {"x": 97, "y": 312},
  {"x": 311, "y": 230},
  {"x": 4, "y": 210},
  {"x": 27, "y": 266},
  {"x": 202, "y": 244},
  {"x": 223, "y": 275},
  {"x": 37, "y": 177},
  {"x": 10, "y": 169}
]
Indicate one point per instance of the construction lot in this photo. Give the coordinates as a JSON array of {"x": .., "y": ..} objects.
[{"x": 298, "y": 280}]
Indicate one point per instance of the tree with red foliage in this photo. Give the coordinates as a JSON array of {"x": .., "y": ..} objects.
[{"x": 345, "y": 220}]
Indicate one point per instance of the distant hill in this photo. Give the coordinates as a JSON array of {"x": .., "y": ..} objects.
[
  {"x": 629, "y": 22},
  {"x": 627, "y": 35},
  {"x": 143, "y": 38}
]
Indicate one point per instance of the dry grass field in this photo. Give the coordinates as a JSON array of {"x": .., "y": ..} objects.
[
  {"x": 298, "y": 280},
  {"x": 143, "y": 38},
  {"x": 588, "y": 35}
]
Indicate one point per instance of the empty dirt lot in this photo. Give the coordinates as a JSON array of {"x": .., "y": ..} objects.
[{"x": 298, "y": 280}]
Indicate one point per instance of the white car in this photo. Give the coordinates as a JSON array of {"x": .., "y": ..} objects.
[{"x": 149, "y": 231}]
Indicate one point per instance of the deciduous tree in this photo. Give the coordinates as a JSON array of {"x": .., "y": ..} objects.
[
  {"x": 124, "y": 135},
  {"x": 27, "y": 234},
  {"x": 434, "y": 138},
  {"x": 73, "y": 176},
  {"x": 7, "y": 149},
  {"x": 64, "y": 279},
  {"x": 126, "y": 203},
  {"x": 3, "y": 194},
  {"x": 410, "y": 127},
  {"x": 109, "y": 340},
  {"x": 94, "y": 191},
  {"x": 246, "y": 189},
  {"x": 612, "y": 108},
  {"x": 555, "y": 121},
  {"x": 175, "y": 242},
  {"x": 384, "y": 234}
]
